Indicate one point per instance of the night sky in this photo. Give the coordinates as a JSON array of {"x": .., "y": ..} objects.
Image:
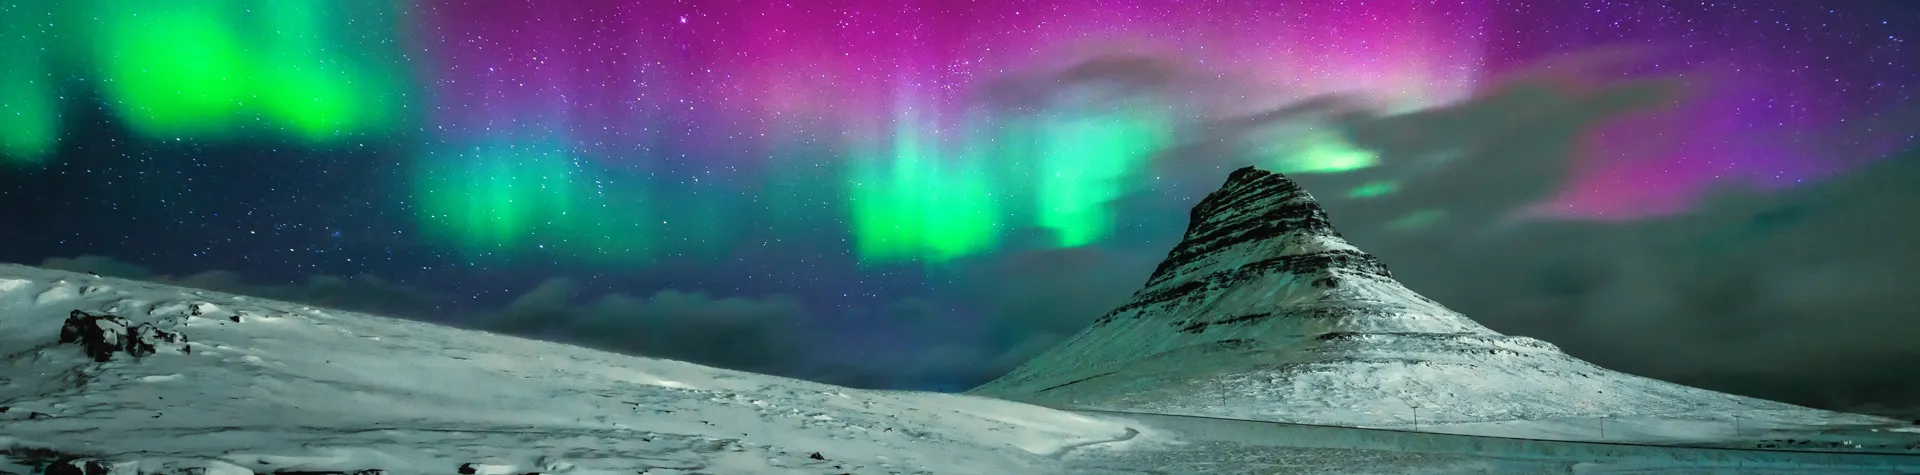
[{"x": 921, "y": 194}]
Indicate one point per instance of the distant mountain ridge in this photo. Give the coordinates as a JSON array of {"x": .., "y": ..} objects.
[{"x": 1263, "y": 311}]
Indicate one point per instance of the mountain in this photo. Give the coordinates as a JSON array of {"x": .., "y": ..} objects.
[
  {"x": 1264, "y": 312},
  {"x": 124, "y": 377}
]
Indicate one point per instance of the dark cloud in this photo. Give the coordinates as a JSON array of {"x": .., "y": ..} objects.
[
  {"x": 1049, "y": 291},
  {"x": 1028, "y": 302},
  {"x": 1803, "y": 295},
  {"x": 767, "y": 335}
]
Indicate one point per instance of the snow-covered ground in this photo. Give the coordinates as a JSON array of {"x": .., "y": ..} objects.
[
  {"x": 260, "y": 386},
  {"x": 1522, "y": 392},
  {"x": 265, "y": 386},
  {"x": 1190, "y": 444}
]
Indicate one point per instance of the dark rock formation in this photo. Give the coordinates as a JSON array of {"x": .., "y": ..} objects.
[
  {"x": 78, "y": 467},
  {"x": 478, "y": 468},
  {"x": 100, "y": 336}
]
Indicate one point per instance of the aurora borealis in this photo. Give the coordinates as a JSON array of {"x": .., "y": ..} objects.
[
  {"x": 205, "y": 69},
  {"x": 860, "y": 152},
  {"x": 534, "y": 113}
]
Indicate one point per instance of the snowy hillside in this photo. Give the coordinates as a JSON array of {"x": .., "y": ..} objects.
[
  {"x": 1264, "y": 312},
  {"x": 117, "y": 377},
  {"x": 234, "y": 385}
]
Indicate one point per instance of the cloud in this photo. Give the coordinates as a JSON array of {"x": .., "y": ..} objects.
[
  {"x": 1119, "y": 72},
  {"x": 1025, "y": 302},
  {"x": 766, "y": 335},
  {"x": 1802, "y": 295},
  {"x": 1049, "y": 291}
]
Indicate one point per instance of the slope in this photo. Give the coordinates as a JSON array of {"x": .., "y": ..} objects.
[{"x": 239, "y": 385}]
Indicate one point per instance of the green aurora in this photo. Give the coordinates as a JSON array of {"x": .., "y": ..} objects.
[
  {"x": 321, "y": 72},
  {"x": 1087, "y": 162},
  {"x": 503, "y": 200},
  {"x": 314, "y": 70},
  {"x": 29, "y": 115},
  {"x": 908, "y": 204}
]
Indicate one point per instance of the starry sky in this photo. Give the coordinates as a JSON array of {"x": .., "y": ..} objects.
[{"x": 921, "y": 194}]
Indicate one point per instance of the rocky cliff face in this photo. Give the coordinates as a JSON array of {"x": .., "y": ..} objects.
[{"x": 1264, "y": 312}]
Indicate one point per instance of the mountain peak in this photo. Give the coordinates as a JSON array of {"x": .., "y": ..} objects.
[
  {"x": 1260, "y": 266},
  {"x": 1256, "y": 205}
]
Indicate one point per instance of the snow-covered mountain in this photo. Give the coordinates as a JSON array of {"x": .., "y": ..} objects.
[
  {"x": 148, "y": 378},
  {"x": 1264, "y": 312}
]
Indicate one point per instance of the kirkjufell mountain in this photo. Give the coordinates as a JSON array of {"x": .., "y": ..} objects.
[{"x": 1264, "y": 312}]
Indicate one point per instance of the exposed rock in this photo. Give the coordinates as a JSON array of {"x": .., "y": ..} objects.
[
  {"x": 816, "y": 456},
  {"x": 472, "y": 468},
  {"x": 65, "y": 468},
  {"x": 100, "y": 336},
  {"x": 84, "y": 466}
]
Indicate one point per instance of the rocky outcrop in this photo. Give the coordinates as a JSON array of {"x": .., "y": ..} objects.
[
  {"x": 1261, "y": 266},
  {"x": 102, "y": 336},
  {"x": 89, "y": 467}
]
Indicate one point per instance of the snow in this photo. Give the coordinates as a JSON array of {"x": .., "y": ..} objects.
[
  {"x": 288, "y": 387},
  {"x": 1211, "y": 445}
]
